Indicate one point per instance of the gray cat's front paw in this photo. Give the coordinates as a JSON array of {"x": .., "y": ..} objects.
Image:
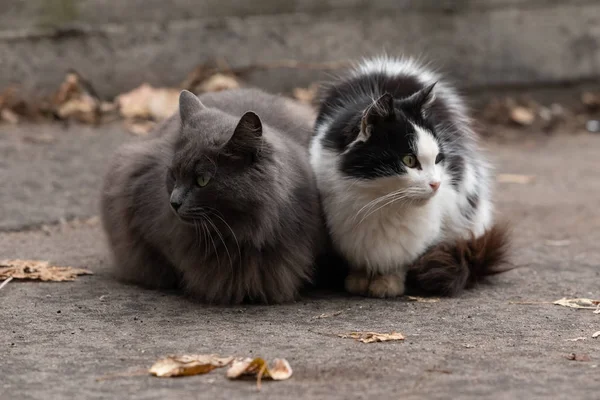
[
  {"x": 390, "y": 285},
  {"x": 357, "y": 282}
]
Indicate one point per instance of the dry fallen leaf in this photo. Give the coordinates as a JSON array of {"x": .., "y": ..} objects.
[
  {"x": 188, "y": 365},
  {"x": 139, "y": 128},
  {"x": 308, "y": 95},
  {"x": 76, "y": 99},
  {"x": 38, "y": 270},
  {"x": 372, "y": 337},
  {"x": 596, "y": 334},
  {"x": 218, "y": 82},
  {"x": 587, "y": 304},
  {"x": 515, "y": 178},
  {"x": 9, "y": 116},
  {"x": 279, "y": 371},
  {"x": 334, "y": 314},
  {"x": 147, "y": 102},
  {"x": 522, "y": 116},
  {"x": 578, "y": 357},
  {"x": 422, "y": 299},
  {"x": 591, "y": 100}
]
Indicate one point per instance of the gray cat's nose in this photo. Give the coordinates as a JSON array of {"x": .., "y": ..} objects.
[{"x": 175, "y": 205}]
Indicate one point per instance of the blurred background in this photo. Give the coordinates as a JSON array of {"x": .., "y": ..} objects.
[
  {"x": 528, "y": 68},
  {"x": 78, "y": 78}
]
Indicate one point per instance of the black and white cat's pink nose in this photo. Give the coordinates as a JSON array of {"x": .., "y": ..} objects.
[{"x": 435, "y": 185}]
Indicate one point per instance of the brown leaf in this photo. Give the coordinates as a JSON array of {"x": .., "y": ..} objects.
[
  {"x": 522, "y": 116},
  {"x": 280, "y": 369},
  {"x": 591, "y": 100},
  {"x": 515, "y": 178},
  {"x": 38, "y": 270},
  {"x": 76, "y": 99},
  {"x": 578, "y": 357},
  {"x": 147, "y": 102},
  {"x": 372, "y": 337},
  {"x": 9, "y": 116},
  {"x": 218, "y": 82},
  {"x": 582, "y": 303},
  {"x": 307, "y": 95},
  {"x": 334, "y": 314},
  {"x": 187, "y": 365},
  {"x": 139, "y": 128},
  {"x": 422, "y": 299}
]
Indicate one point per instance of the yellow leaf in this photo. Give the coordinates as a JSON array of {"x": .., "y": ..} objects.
[
  {"x": 372, "y": 337},
  {"x": 422, "y": 299},
  {"x": 588, "y": 304},
  {"x": 38, "y": 270},
  {"x": 279, "y": 371},
  {"x": 188, "y": 365}
]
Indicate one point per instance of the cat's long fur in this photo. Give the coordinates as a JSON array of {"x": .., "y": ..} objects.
[
  {"x": 381, "y": 227},
  {"x": 266, "y": 228}
]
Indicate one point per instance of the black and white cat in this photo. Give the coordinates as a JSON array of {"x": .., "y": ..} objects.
[{"x": 403, "y": 183}]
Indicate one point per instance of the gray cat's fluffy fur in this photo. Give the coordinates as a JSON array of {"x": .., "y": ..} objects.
[{"x": 252, "y": 234}]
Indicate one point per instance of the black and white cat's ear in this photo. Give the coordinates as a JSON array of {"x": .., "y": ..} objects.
[
  {"x": 380, "y": 110},
  {"x": 189, "y": 105},
  {"x": 247, "y": 135},
  {"x": 423, "y": 99}
]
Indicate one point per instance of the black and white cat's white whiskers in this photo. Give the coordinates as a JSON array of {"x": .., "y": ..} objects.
[{"x": 402, "y": 179}]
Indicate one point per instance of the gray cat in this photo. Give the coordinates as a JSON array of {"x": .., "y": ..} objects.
[{"x": 219, "y": 201}]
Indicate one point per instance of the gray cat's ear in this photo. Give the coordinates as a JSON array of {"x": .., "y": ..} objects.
[
  {"x": 250, "y": 126},
  {"x": 381, "y": 109},
  {"x": 247, "y": 135},
  {"x": 423, "y": 99},
  {"x": 189, "y": 105}
]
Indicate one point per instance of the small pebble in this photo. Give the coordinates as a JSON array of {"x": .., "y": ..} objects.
[{"x": 593, "y": 126}]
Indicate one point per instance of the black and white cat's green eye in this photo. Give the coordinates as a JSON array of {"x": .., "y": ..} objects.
[
  {"x": 203, "y": 179},
  {"x": 409, "y": 160},
  {"x": 440, "y": 157}
]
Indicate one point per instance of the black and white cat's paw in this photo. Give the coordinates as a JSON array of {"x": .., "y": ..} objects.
[
  {"x": 381, "y": 286},
  {"x": 388, "y": 285},
  {"x": 357, "y": 282}
]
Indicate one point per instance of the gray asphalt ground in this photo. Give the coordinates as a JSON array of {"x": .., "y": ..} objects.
[{"x": 57, "y": 339}]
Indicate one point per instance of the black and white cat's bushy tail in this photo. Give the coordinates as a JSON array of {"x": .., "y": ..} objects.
[{"x": 449, "y": 268}]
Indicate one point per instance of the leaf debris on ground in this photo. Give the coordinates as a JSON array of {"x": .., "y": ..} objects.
[
  {"x": 327, "y": 315},
  {"x": 148, "y": 102},
  {"x": 578, "y": 357},
  {"x": 279, "y": 370},
  {"x": 515, "y": 178},
  {"x": 188, "y": 365},
  {"x": 38, "y": 270},
  {"x": 580, "y": 303},
  {"x": 372, "y": 337},
  {"x": 419, "y": 299}
]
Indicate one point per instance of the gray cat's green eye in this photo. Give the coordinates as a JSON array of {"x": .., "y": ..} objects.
[
  {"x": 203, "y": 179},
  {"x": 409, "y": 160}
]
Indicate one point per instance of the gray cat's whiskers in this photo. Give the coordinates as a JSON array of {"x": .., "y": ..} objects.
[
  {"x": 214, "y": 212},
  {"x": 218, "y": 232}
]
